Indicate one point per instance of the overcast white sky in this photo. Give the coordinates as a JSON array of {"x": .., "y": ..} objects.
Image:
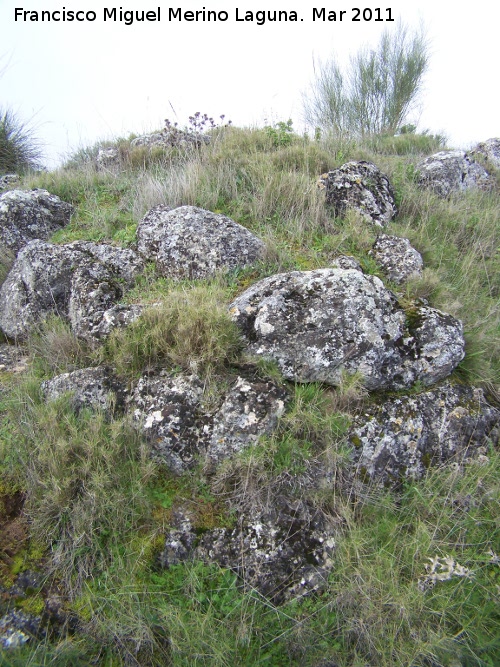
[{"x": 81, "y": 82}]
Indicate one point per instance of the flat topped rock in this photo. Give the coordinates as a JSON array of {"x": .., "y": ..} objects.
[
  {"x": 318, "y": 324},
  {"x": 189, "y": 242}
]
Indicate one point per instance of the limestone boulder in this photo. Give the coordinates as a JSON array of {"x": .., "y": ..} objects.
[
  {"x": 77, "y": 281},
  {"x": 30, "y": 214},
  {"x": 403, "y": 436},
  {"x": 487, "y": 151},
  {"x": 7, "y": 180},
  {"x": 170, "y": 411},
  {"x": 318, "y": 324},
  {"x": 95, "y": 388},
  {"x": 397, "y": 258},
  {"x": 447, "y": 172},
  {"x": 361, "y": 186},
  {"x": 189, "y": 242},
  {"x": 284, "y": 553}
]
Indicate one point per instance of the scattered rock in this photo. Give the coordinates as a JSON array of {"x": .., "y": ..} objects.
[
  {"x": 17, "y": 627},
  {"x": 107, "y": 157},
  {"x": 171, "y": 137},
  {"x": 169, "y": 411},
  {"x": 487, "y": 150},
  {"x": 13, "y": 359},
  {"x": 172, "y": 415},
  {"x": 317, "y": 324},
  {"x": 284, "y": 553},
  {"x": 452, "y": 171},
  {"x": 95, "y": 388},
  {"x": 30, "y": 214},
  {"x": 250, "y": 409},
  {"x": 405, "y": 435},
  {"x": 397, "y": 258},
  {"x": 363, "y": 187},
  {"x": 78, "y": 281},
  {"x": 7, "y": 180},
  {"x": 189, "y": 242},
  {"x": 346, "y": 262}
]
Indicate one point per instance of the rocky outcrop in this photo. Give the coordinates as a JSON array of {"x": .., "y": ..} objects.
[
  {"x": 13, "y": 359},
  {"x": 488, "y": 151},
  {"x": 94, "y": 388},
  {"x": 79, "y": 281},
  {"x": 30, "y": 214},
  {"x": 170, "y": 412},
  {"x": 397, "y": 258},
  {"x": 189, "y": 242},
  {"x": 318, "y": 324},
  {"x": 285, "y": 552},
  {"x": 107, "y": 157},
  {"x": 171, "y": 137},
  {"x": 452, "y": 171},
  {"x": 405, "y": 435},
  {"x": 363, "y": 187}
]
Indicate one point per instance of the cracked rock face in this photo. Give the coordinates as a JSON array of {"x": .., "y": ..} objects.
[
  {"x": 452, "y": 171},
  {"x": 94, "y": 388},
  {"x": 317, "y": 324},
  {"x": 489, "y": 150},
  {"x": 405, "y": 435},
  {"x": 27, "y": 215},
  {"x": 78, "y": 281},
  {"x": 171, "y": 414},
  {"x": 284, "y": 553},
  {"x": 189, "y": 242},
  {"x": 397, "y": 258},
  {"x": 363, "y": 187}
]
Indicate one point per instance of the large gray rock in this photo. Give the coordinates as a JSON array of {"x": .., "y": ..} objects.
[
  {"x": 405, "y": 435},
  {"x": 363, "y": 187},
  {"x": 7, "y": 180},
  {"x": 27, "y": 215},
  {"x": 489, "y": 151},
  {"x": 95, "y": 388},
  {"x": 283, "y": 553},
  {"x": 171, "y": 414},
  {"x": 452, "y": 171},
  {"x": 189, "y": 242},
  {"x": 317, "y": 324},
  {"x": 397, "y": 258},
  {"x": 78, "y": 281}
]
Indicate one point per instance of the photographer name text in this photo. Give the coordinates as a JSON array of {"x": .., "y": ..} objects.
[{"x": 177, "y": 14}]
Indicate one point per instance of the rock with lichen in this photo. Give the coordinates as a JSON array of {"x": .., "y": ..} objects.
[
  {"x": 319, "y": 324},
  {"x": 397, "y": 258},
  {"x": 447, "y": 172}
]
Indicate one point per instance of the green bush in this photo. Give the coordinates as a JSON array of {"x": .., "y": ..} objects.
[{"x": 20, "y": 150}]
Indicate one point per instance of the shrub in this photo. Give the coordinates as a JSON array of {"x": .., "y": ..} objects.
[
  {"x": 20, "y": 151},
  {"x": 376, "y": 93}
]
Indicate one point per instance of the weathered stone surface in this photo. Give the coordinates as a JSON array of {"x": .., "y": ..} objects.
[
  {"x": 7, "y": 180},
  {"x": 78, "y": 281},
  {"x": 317, "y": 324},
  {"x": 405, "y": 435},
  {"x": 346, "y": 262},
  {"x": 94, "y": 388},
  {"x": 171, "y": 413},
  {"x": 13, "y": 359},
  {"x": 452, "y": 171},
  {"x": 397, "y": 258},
  {"x": 189, "y": 242},
  {"x": 489, "y": 151},
  {"x": 30, "y": 214},
  {"x": 171, "y": 136},
  {"x": 363, "y": 187},
  {"x": 284, "y": 553},
  {"x": 17, "y": 627},
  {"x": 107, "y": 157},
  {"x": 250, "y": 409}
]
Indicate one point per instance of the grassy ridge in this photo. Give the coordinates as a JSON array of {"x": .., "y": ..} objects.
[{"x": 98, "y": 507}]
